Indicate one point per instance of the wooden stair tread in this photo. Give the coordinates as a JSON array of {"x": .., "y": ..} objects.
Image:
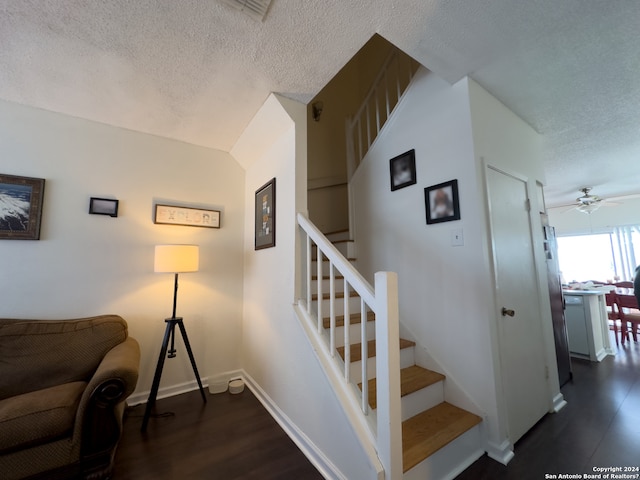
[
  {"x": 327, "y": 296},
  {"x": 429, "y": 431},
  {"x": 412, "y": 379},
  {"x": 356, "y": 349},
  {"x": 353, "y": 319}
]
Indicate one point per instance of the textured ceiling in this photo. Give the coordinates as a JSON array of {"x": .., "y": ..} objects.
[{"x": 198, "y": 70}]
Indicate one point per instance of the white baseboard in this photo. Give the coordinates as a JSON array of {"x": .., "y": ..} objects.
[
  {"x": 502, "y": 453},
  {"x": 141, "y": 397},
  {"x": 558, "y": 403},
  {"x": 326, "y": 468}
]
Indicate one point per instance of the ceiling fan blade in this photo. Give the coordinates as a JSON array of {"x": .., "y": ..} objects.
[
  {"x": 568, "y": 208},
  {"x": 624, "y": 197}
]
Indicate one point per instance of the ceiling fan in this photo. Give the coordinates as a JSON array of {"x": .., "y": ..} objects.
[{"x": 588, "y": 203}]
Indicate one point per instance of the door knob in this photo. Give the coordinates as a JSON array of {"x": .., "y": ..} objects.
[{"x": 508, "y": 312}]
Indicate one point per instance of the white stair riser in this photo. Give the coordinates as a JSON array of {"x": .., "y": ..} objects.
[
  {"x": 325, "y": 268},
  {"x": 406, "y": 360},
  {"x": 354, "y": 306},
  {"x": 424, "y": 399},
  {"x": 354, "y": 333},
  {"x": 451, "y": 460},
  {"x": 348, "y": 249},
  {"x": 338, "y": 285},
  {"x": 336, "y": 237}
]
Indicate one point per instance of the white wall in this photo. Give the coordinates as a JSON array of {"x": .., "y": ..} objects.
[
  {"x": 89, "y": 264},
  {"x": 275, "y": 352},
  {"x": 445, "y": 291},
  {"x": 504, "y": 140}
]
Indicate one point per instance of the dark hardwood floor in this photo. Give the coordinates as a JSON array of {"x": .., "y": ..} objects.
[
  {"x": 234, "y": 437},
  {"x": 229, "y": 437},
  {"x": 600, "y": 426}
]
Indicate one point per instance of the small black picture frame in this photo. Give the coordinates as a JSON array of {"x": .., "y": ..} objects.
[
  {"x": 265, "y": 208},
  {"x": 103, "y": 206},
  {"x": 442, "y": 203},
  {"x": 402, "y": 170}
]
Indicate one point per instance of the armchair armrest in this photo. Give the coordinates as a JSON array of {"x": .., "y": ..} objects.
[{"x": 99, "y": 418}]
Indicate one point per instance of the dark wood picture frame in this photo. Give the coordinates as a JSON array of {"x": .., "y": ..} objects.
[
  {"x": 103, "y": 206},
  {"x": 23, "y": 197},
  {"x": 186, "y": 216},
  {"x": 442, "y": 203},
  {"x": 265, "y": 208},
  {"x": 402, "y": 170}
]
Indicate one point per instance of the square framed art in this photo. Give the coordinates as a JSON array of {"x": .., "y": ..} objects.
[
  {"x": 441, "y": 202},
  {"x": 402, "y": 170}
]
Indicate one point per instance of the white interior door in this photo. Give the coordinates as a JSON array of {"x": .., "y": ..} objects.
[{"x": 521, "y": 341}]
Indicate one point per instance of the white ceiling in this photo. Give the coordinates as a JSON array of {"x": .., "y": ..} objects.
[{"x": 199, "y": 70}]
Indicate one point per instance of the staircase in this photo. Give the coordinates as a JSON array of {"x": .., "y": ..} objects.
[{"x": 438, "y": 439}]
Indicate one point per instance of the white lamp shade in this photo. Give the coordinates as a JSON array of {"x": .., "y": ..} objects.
[{"x": 176, "y": 258}]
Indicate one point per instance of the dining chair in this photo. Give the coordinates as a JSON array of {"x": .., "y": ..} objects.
[
  {"x": 626, "y": 303},
  {"x": 614, "y": 316}
]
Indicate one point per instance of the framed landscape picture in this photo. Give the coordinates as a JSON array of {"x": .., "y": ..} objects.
[
  {"x": 265, "y": 207},
  {"x": 20, "y": 207},
  {"x": 441, "y": 201}
]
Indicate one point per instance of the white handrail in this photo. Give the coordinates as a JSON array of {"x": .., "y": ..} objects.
[
  {"x": 385, "y": 428},
  {"x": 328, "y": 249}
]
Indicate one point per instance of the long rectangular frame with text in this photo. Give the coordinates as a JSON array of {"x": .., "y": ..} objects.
[{"x": 186, "y": 216}]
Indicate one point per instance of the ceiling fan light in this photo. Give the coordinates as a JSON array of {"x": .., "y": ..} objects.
[{"x": 588, "y": 208}]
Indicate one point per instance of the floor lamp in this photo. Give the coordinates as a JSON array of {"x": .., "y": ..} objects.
[{"x": 173, "y": 259}]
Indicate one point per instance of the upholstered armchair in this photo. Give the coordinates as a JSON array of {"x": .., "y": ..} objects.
[{"x": 63, "y": 386}]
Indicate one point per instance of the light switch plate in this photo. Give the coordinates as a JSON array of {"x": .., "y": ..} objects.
[{"x": 457, "y": 237}]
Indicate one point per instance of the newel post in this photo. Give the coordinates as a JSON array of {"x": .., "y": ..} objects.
[{"x": 389, "y": 424}]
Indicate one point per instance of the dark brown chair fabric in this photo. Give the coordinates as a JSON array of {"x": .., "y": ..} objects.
[{"x": 63, "y": 385}]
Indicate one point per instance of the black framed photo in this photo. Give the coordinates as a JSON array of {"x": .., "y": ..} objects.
[
  {"x": 20, "y": 207},
  {"x": 265, "y": 228},
  {"x": 402, "y": 170},
  {"x": 103, "y": 206},
  {"x": 441, "y": 202}
]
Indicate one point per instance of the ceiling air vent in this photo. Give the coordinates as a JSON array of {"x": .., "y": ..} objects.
[{"x": 256, "y": 9}]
